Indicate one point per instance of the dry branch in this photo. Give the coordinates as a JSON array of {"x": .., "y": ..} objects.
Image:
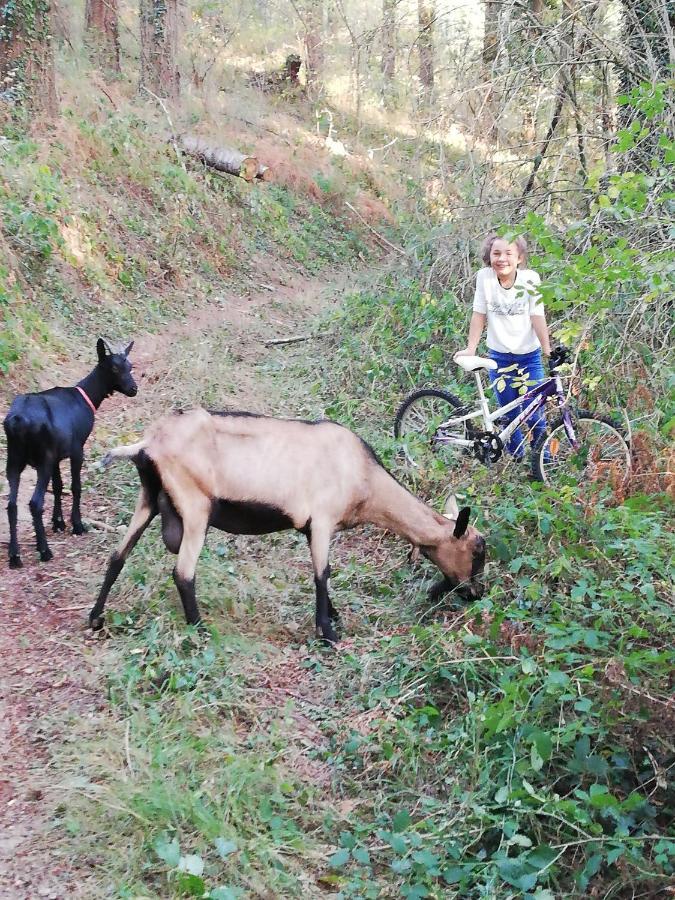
[
  {"x": 292, "y": 340},
  {"x": 377, "y": 234}
]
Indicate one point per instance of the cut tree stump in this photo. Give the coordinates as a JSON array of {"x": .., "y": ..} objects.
[{"x": 224, "y": 159}]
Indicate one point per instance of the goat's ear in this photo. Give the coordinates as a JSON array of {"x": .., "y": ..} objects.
[
  {"x": 101, "y": 347},
  {"x": 127, "y": 350},
  {"x": 462, "y": 521},
  {"x": 451, "y": 509}
]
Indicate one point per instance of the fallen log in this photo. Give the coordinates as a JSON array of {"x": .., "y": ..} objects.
[
  {"x": 264, "y": 173},
  {"x": 223, "y": 159}
]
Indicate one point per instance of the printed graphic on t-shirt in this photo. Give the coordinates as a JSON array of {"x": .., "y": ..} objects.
[{"x": 500, "y": 305}]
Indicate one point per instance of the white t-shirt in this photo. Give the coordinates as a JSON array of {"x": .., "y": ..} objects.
[{"x": 508, "y": 310}]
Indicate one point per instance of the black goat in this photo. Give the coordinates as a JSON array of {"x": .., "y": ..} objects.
[{"x": 44, "y": 428}]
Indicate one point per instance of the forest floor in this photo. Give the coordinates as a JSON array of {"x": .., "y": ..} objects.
[{"x": 51, "y": 661}]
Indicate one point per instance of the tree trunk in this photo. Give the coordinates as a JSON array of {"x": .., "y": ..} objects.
[
  {"x": 27, "y": 56},
  {"x": 314, "y": 47},
  {"x": 102, "y": 33},
  {"x": 489, "y": 56},
  {"x": 160, "y": 22},
  {"x": 389, "y": 45},
  {"x": 426, "y": 17}
]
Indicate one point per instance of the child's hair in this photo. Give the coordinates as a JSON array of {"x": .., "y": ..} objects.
[{"x": 519, "y": 241}]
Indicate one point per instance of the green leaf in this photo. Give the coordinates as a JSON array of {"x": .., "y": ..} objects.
[
  {"x": 414, "y": 892},
  {"x": 361, "y": 855},
  {"x": 600, "y": 796},
  {"x": 502, "y": 794},
  {"x": 224, "y": 848},
  {"x": 543, "y": 743},
  {"x": 454, "y": 874},
  {"x": 168, "y": 850},
  {"x": 224, "y": 893},
  {"x": 401, "y": 865},
  {"x": 192, "y": 864},
  {"x": 191, "y": 884},
  {"x": 542, "y": 856},
  {"x": 401, "y": 820},
  {"x": 339, "y": 859},
  {"x": 536, "y": 760}
]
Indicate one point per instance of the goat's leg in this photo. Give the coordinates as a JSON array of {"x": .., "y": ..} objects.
[
  {"x": 57, "y": 484},
  {"x": 14, "y": 471},
  {"x": 319, "y": 543},
  {"x": 143, "y": 514},
  {"x": 194, "y": 533},
  {"x": 76, "y": 487},
  {"x": 37, "y": 505}
]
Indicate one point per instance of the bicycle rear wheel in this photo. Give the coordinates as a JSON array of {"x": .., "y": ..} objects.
[
  {"x": 601, "y": 459},
  {"x": 417, "y": 424}
]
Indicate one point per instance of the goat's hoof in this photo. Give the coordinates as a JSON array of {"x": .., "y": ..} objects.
[
  {"x": 15, "y": 562},
  {"x": 96, "y": 623},
  {"x": 46, "y": 555},
  {"x": 328, "y": 635},
  {"x": 58, "y": 525},
  {"x": 79, "y": 528}
]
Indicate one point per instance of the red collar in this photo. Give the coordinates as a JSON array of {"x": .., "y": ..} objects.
[{"x": 88, "y": 401}]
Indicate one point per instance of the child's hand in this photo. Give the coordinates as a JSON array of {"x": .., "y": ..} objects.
[{"x": 467, "y": 351}]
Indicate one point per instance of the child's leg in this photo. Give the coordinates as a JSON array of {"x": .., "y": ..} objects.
[{"x": 506, "y": 395}]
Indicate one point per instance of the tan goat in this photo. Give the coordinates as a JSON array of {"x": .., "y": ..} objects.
[{"x": 250, "y": 474}]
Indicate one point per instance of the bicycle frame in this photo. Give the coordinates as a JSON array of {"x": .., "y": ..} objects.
[{"x": 531, "y": 401}]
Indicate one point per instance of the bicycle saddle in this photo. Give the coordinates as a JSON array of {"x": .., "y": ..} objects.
[{"x": 474, "y": 363}]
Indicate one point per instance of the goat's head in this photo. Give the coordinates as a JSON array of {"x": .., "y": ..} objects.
[
  {"x": 460, "y": 555},
  {"x": 116, "y": 368}
]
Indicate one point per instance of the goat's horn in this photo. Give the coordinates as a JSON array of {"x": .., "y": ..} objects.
[{"x": 451, "y": 509}]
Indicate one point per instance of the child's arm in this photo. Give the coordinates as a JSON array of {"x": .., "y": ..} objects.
[
  {"x": 476, "y": 327},
  {"x": 541, "y": 330}
]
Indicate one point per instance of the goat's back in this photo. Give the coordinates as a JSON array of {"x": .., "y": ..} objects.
[
  {"x": 296, "y": 466},
  {"x": 50, "y": 420}
]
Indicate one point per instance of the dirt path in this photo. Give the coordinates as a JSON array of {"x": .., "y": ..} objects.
[{"x": 50, "y": 659}]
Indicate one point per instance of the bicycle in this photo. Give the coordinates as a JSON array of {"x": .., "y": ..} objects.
[{"x": 579, "y": 446}]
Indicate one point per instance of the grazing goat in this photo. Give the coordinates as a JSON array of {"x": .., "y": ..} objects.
[
  {"x": 250, "y": 474},
  {"x": 44, "y": 428}
]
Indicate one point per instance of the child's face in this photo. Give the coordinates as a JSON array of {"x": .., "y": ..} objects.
[{"x": 504, "y": 259}]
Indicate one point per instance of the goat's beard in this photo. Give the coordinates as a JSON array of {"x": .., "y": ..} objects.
[
  {"x": 463, "y": 590},
  {"x": 441, "y": 587}
]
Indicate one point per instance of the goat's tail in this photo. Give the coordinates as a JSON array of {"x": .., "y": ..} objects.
[
  {"x": 16, "y": 426},
  {"x": 130, "y": 451}
]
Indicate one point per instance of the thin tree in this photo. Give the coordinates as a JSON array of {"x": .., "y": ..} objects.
[
  {"x": 389, "y": 46},
  {"x": 27, "y": 55},
  {"x": 160, "y": 25},
  {"x": 426, "y": 18},
  {"x": 312, "y": 16},
  {"x": 101, "y": 22},
  {"x": 490, "y": 53}
]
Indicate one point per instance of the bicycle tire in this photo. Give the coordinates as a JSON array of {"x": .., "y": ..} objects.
[
  {"x": 425, "y": 425},
  {"x": 602, "y": 458}
]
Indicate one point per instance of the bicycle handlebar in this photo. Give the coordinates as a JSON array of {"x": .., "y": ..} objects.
[{"x": 559, "y": 355}]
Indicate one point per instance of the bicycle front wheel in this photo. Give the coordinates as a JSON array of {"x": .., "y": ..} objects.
[
  {"x": 424, "y": 444},
  {"x": 600, "y": 459}
]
